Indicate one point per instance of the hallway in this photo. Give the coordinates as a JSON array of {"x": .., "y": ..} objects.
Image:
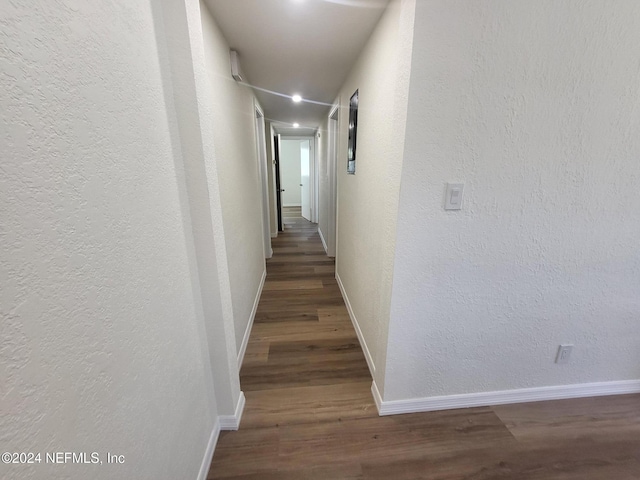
[
  {"x": 309, "y": 412},
  {"x": 303, "y": 370}
]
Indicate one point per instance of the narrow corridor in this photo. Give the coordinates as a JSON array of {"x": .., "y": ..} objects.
[
  {"x": 304, "y": 370},
  {"x": 310, "y": 415}
]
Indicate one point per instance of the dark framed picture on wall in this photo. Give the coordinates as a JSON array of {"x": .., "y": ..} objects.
[{"x": 353, "y": 130}]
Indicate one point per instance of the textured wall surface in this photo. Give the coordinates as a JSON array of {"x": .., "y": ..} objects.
[
  {"x": 234, "y": 136},
  {"x": 534, "y": 106},
  {"x": 182, "y": 53},
  {"x": 99, "y": 347},
  {"x": 368, "y": 200}
]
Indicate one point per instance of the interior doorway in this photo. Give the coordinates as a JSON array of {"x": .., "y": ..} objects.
[
  {"x": 297, "y": 167},
  {"x": 305, "y": 177},
  {"x": 276, "y": 150}
]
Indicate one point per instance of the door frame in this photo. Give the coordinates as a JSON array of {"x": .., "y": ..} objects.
[
  {"x": 313, "y": 170},
  {"x": 333, "y": 127},
  {"x": 276, "y": 144},
  {"x": 261, "y": 151}
]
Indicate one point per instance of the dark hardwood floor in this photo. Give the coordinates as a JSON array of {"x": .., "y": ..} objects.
[{"x": 310, "y": 415}]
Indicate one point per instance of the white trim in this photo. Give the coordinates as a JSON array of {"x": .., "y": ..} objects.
[
  {"x": 483, "y": 399},
  {"x": 273, "y": 197},
  {"x": 333, "y": 140},
  {"x": 292, "y": 205},
  {"x": 247, "y": 332},
  {"x": 324, "y": 244},
  {"x": 261, "y": 156},
  {"x": 377, "y": 398},
  {"x": 232, "y": 422},
  {"x": 315, "y": 199},
  {"x": 208, "y": 453},
  {"x": 352, "y": 316},
  {"x": 298, "y": 137}
]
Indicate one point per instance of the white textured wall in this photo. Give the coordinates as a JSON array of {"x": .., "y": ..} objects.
[
  {"x": 368, "y": 200},
  {"x": 534, "y": 105},
  {"x": 181, "y": 48},
  {"x": 100, "y": 348},
  {"x": 233, "y": 110}
]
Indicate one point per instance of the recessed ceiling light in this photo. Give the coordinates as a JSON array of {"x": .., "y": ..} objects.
[
  {"x": 296, "y": 98},
  {"x": 296, "y": 125}
]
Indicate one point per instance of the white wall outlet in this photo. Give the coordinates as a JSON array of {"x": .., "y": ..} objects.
[{"x": 564, "y": 352}]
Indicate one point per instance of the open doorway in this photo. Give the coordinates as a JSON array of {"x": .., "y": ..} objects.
[
  {"x": 276, "y": 163},
  {"x": 297, "y": 166}
]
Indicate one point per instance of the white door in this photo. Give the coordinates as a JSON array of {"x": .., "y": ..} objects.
[{"x": 304, "y": 179}]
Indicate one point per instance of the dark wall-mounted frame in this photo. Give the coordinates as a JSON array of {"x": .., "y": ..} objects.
[{"x": 353, "y": 131}]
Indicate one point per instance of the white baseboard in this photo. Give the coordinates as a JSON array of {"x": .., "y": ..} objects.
[
  {"x": 377, "y": 398},
  {"x": 208, "y": 453},
  {"x": 356, "y": 326},
  {"x": 223, "y": 422},
  {"x": 324, "y": 244},
  {"x": 292, "y": 205},
  {"x": 232, "y": 422},
  {"x": 274, "y": 235},
  {"x": 247, "y": 332},
  {"x": 484, "y": 399}
]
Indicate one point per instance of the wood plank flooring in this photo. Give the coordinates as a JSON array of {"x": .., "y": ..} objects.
[{"x": 310, "y": 415}]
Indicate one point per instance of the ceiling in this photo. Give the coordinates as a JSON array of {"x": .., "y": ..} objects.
[{"x": 304, "y": 47}]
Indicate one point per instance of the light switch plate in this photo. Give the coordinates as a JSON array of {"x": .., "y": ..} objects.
[
  {"x": 564, "y": 352},
  {"x": 453, "y": 199}
]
